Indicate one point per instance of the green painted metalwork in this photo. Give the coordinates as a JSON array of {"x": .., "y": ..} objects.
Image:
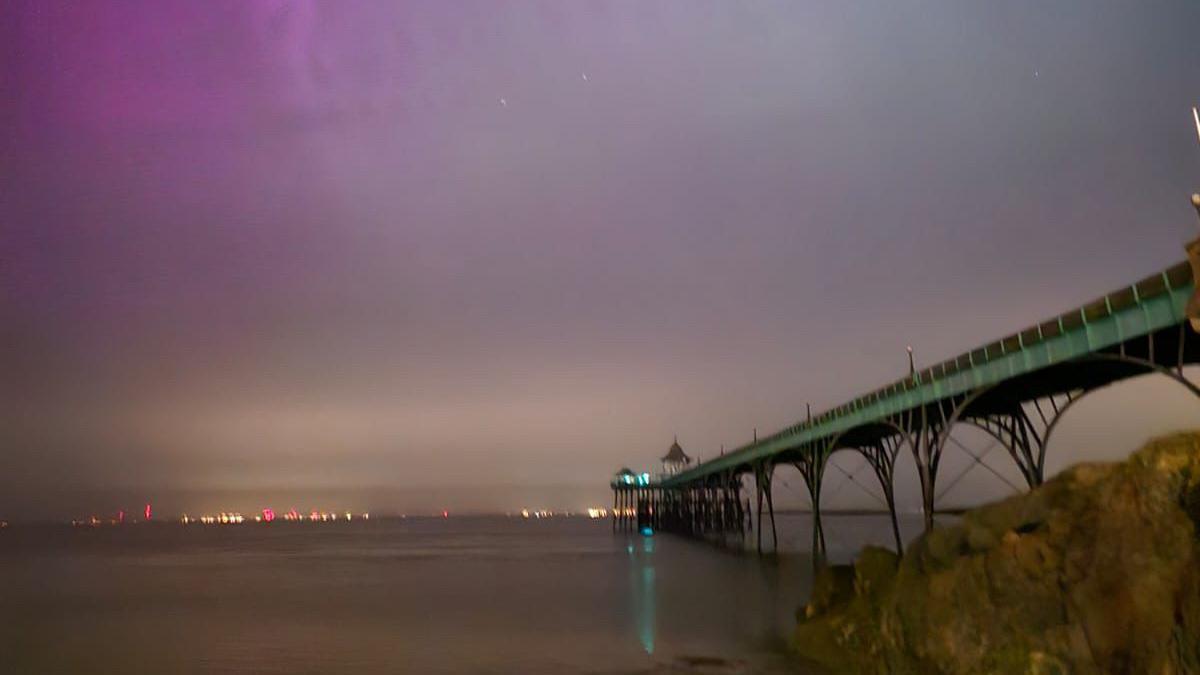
[{"x": 1152, "y": 304}]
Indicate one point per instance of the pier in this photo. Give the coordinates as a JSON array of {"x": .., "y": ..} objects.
[{"x": 1014, "y": 389}]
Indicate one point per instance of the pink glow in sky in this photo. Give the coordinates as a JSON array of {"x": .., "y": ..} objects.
[{"x": 481, "y": 254}]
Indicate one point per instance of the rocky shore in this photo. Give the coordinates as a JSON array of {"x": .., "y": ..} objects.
[{"x": 1097, "y": 571}]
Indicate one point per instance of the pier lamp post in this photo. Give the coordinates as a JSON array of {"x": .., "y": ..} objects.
[
  {"x": 1192, "y": 311},
  {"x": 1193, "y": 251}
]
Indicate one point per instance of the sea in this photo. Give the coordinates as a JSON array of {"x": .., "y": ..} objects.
[{"x": 563, "y": 595}]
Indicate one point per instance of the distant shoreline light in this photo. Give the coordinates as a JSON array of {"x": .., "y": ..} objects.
[
  {"x": 593, "y": 512},
  {"x": 268, "y": 516},
  {"x": 233, "y": 518}
]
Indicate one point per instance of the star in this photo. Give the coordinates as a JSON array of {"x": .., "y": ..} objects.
[
  {"x": 584, "y": 76},
  {"x": 503, "y": 102}
]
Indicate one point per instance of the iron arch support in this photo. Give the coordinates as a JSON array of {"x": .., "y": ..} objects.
[
  {"x": 1024, "y": 429},
  {"x": 881, "y": 457},
  {"x": 763, "y": 472},
  {"x": 811, "y": 466},
  {"x": 1173, "y": 372},
  {"x": 922, "y": 433}
]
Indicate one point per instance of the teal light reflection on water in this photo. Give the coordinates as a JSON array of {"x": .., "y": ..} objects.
[{"x": 644, "y": 596}]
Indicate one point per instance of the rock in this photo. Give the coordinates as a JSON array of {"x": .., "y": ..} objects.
[
  {"x": 1097, "y": 571},
  {"x": 874, "y": 571},
  {"x": 833, "y": 586}
]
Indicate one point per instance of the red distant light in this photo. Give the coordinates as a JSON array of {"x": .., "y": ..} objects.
[
  {"x": 121, "y": 517},
  {"x": 147, "y": 512},
  {"x": 445, "y": 513},
  {"x": 268, "y": 515}
]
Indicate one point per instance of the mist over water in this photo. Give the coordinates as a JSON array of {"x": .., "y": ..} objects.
[{"x": 473, "y": 595}]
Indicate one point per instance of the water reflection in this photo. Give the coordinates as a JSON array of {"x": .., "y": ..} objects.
[
  {"x": 541, "y": 597},
  {"x": 641, "y": 568}
]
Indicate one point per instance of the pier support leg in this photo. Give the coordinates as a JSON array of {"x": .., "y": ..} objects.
[
  {"x": 927, "y": 441},
  {"x": 771, "y": 511},
  {"x": 881, "y": 456},
  {"x": 812, "y": 469},
  {"x": 890, "y": 496},
  {"x": 758, "y": 489},
  {"x": 763, "y": 474},
  {"x": 614, "y": 511}
]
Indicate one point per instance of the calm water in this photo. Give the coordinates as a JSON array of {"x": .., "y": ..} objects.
[{"x": 464, "y": 595}]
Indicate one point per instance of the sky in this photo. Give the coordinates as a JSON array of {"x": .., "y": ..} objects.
[{"x": 478, "y": 255}]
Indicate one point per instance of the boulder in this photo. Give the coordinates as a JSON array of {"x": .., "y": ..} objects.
[{"x": 1097, "y": 571}]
